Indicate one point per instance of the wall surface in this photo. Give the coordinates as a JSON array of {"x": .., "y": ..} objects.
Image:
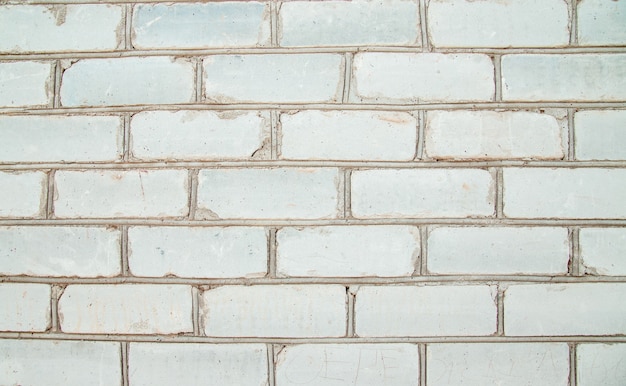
[{"x": 397, "y": 192}]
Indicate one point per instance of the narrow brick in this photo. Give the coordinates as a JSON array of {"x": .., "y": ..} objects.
[
  {"x": 422, "y": 193},
  {"x": 267, "y": 193},
  {"x": 60, "y": 28},
  {"x": 59, "y": 251},
  {"x": 197, "y": 252},
  {"x": 600, "y": 364},
  {"x": 348, "y": 364},
  {"x": 340, "y": 23},
  {"x": 498, "y": 250},
  {"x": 22, "y": 194},
  {"x": 565, "y": 309},
  {"x": 128, "y": 81},
  {"x": 197, "y": 25},
  {"x": 118, "y": 193},
  {"x": 421, "y": 77},
  {"x": 602, "y": 251},
  {"x": 558, "y": 77},
  {"x": 277, "y": 78},
  {"x": 126, "y": 309},
  {"x": 601, "y": 23},
  {"x": 25, "y": 307},
  {"x": 513, "y": 23},
  {"x": 348, "y": 135},
  {"x": 600, "y": 134},
  {"x": 467, "y": 135},
  {"x": 353, "y": 251},
  {"x": 564, "y": 193},
  {"x": 53, "y": 138},
  {"x": 197, "y": 135},
  {"x": 25, "y": 84},
  {"x": 388, "y": 311},
  {"x": 295, "y": 311}
]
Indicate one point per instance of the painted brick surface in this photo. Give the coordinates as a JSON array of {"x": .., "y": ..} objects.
[
  {"x": 25, "y": 84},
  {"x": 602, "y": 251},
  {"x": 26, "y": 307},
  {"x": 22, "y": 194},
  {"x": 601, "y": 364},
  {"x": 599, "y": 134},
  {"x": 601, "y": 22}
]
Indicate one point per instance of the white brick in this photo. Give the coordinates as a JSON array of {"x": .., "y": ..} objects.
[
  {"x": 425, "y": 311},
  {"x": 267, "y": 193},
  {"x": 565, "y": 309},
  {"x": 22, "y": 194},
  {"x": 492, "y": 135},
  {"x": 197, "y": 252},
  {"x": 340, "y": 23},
  {"x": 348, "y": 364},
  {"x": 515, "y": 364},
  {"x": 347, "y": 251},
  {"x": 25, "y": 84},
  {"x": 601, "y": 22},
  {"x": 273, "y": 78},
  {"x": 602, "y": 251},
  {"x": 128, "y": 81},
  {"x": 348, "y": 135},
  {"x": 513, "y": 23},
  {"x": 59, "y": 251},
  {"x": 564, "y": 193},
  {"x": 498, "y": 250},
  {"x": 52, "y": 138},
  {"x": 275, "y": 311},
  {"x": 600, "y": 134},
  {"x": 119, "y": 193},
  {"x": 50, "y": 362},
  {"x": 126, "y": 309},
  {"x": 197, "y": 135},
  {"x": 196, "y": 25},
  {"x": 38, "y": 28},
  {"x": 25, "y": 307},
  {"x": 422, "y": 193},
  {"x": 417, "y": 78},
  {"x": 197, "y": 363},
  {"x": 600, "y": 364},
  {"x": 558, "y": 77}
]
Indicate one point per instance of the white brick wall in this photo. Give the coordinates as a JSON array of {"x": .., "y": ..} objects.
[{"x": 400, "y": 192}]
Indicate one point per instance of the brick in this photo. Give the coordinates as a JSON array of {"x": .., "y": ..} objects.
[
  {"x": 197, "y": 135},
  {"x": 600, "y": 134},
  {"x": 351, "y": 251},
  {"x": 288, "y": 78},
  {"x": 512, "y": 364},
  {"x": 479, "y": 135},
  {"x": 425, "y": 311},
  {"x": 39, "y": 28},
  {"x": 267, "y": 193},
  {"x": 296, "y": 311},
  {"x": 128, "y": 81},
  {"x": 121, "y": 193},
  {"x": 25, "y": 307},
  {"x": 197, "y": 252},
  {"x": 565, "y": 309},
  {"x": 602, "y": 251},
  {"x": 348, "y": 364},
  {"x": 564, "y": 193},
  {"x": 558, "y": 77},
  {"x": 418, "y": 78},
  {"x": 25, "y": 84},
  {"x": 601, "y": 22},
  {"x": 22, "y": 194},
  {"x": 59, "y": 251},
  {"x": 422, "y": 193},
  {"x": 600, "y": 364},
  {"x": 59, "y": 362},
  {"x": 126, "y": 309},
  {"x": 498, "y": 250},
  {"x": 338, "y": 23},
  {"x": 196, "y": 25},
  {"x": 52, "y": 138},
  {"x": 468, "y": 23},
  {"x": 348, "y": 135}
]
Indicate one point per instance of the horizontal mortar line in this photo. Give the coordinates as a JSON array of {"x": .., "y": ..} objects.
[
  {"x": 293, "y": 341},
  {"x": 311, "y": 106},
  {"x": 469, "y": 279},
  {"x": 320, "y": 49}
]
